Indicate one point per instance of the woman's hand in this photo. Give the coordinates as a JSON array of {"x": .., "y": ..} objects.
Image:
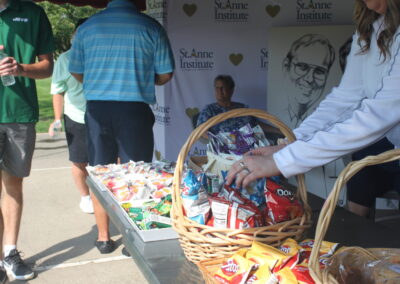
[
  {"x": 265, "y": 151},
  {"x": 250, "y": 168}
]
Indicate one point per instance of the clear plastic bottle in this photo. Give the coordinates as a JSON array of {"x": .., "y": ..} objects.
[
  {"x": 7, "y": 80},
  {"x": 57, "y": 127}
]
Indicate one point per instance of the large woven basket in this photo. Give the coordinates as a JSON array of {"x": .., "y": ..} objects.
[
  {"x": 323, "y": 276},
  {"x": 200, "y": 242}
]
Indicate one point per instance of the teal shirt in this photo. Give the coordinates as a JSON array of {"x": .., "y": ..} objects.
[
  {"x": 63, "y": 82},
  {"x": 25, "y": 32}
]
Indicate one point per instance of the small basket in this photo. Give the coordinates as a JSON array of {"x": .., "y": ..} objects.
[
  {"x": 323, "y": 276},
  {"x": 208, "y": 268},
  {"x": 200, "y": 242}
]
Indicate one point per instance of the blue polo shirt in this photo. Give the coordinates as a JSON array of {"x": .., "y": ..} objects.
[{"x": 119, "y": 50}]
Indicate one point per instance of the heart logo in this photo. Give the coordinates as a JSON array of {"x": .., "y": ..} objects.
[
  {"x": 273, "y": 10},
  {"x": 158, "y": 155},
  {"x": 189, "y": 9},
  {"x": 190, "y": 112},
  {"x": 236, "y": 58}
]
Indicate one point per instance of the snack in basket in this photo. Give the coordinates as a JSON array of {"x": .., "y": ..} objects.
[
  {"x": 302, "y": 274},
  {"x": 262, "y": 276},
  {"x": 235, "y": 270},
  {"x": 281, "y": 203},
  {"x": 327, "y": 248},
  {"x": 195, "y": 199},
  {"x": 286, "y": 276},
  {"x": 233, "y": 215},
  {"x": 275, "y": 258}
]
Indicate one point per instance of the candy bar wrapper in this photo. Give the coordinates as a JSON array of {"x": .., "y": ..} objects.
[
  {"x": 282, "y": 204},
  {"x": 262, "y": 276},
  {"x": 163, "y": 207},
  {"x": 235, "y": 270},
  {"x": 262, "y": 141}
]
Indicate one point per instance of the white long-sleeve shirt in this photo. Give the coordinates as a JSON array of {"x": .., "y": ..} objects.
[{"x": 364, "y": 108}]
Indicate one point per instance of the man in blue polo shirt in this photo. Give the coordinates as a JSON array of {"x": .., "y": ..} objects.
[{"x": 120, "y": 55}]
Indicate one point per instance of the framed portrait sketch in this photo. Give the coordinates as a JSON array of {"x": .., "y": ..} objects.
[{"x": 305, "y": 63}]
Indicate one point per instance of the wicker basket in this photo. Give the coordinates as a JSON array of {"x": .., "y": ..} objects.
[
  {"x": 323, "y": 276},
  {"x": 200, "y": 242}
]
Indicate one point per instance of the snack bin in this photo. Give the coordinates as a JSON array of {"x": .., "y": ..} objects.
[
  {"x": 200, "y": 242},
  {"x": 146, "y": 235},
  {"x": 325, "y": 276}
]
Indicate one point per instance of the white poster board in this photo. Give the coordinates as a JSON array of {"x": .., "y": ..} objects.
[
  {"x": 224, "y": 37},
  {"x": 304, "y": 67}
]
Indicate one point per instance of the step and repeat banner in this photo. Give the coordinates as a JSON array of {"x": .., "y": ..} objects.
[{"x": 232, "y": 37}]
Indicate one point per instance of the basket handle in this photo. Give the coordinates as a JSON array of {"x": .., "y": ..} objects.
[
  {"x": 202, "y": 129},
  {"x": 327, "y": 210}
]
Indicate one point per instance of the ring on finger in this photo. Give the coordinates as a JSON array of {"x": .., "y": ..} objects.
[
  {"x": 242, "y": 164},
  {"x": 246, "y": 169}
]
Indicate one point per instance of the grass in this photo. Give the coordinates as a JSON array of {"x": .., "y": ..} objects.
[{"x": 46, "y": 115}]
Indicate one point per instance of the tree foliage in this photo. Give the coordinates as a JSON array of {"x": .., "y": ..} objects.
[{"x": 63, "y": 18}]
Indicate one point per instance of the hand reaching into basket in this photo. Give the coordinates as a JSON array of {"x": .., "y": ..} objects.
[
  {"x": 265, "y": 151},
  {"x": 254, "y": 166}
]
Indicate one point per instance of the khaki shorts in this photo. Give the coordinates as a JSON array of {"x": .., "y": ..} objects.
[{"x": 17, "y": 142}]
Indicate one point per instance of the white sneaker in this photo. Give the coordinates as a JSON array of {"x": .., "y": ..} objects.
[{"x": 86, "y": 205}]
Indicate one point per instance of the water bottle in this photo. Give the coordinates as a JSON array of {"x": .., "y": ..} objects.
[
  {"x": 7, "y": 80},
  {"x": 57, "y": 126}
]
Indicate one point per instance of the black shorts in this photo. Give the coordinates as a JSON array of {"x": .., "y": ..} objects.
[
  {"x": 119, "y": 130},
  {"x": 76, "y": 140},
  {"x": 373, "y": 181}
]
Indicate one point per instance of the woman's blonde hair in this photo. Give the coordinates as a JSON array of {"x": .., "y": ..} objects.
[{"x": 365, "y": 17}]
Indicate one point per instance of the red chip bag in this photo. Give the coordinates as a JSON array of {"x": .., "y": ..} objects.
[
  {"x": 302, "y": 273},
  {"x": 281, "y": 203},
  {"x": 233, "y": 215}
]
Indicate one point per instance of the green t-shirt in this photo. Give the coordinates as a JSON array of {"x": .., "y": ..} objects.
[{"x": 25, "y": 32}]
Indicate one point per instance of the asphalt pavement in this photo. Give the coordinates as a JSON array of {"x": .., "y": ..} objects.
[{"x": 56, "y": 238}]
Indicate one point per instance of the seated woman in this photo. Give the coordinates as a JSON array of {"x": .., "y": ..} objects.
[{"x": 224, "y": 87}]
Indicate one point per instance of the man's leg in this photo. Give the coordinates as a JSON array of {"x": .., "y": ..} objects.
[
  {"x": 79, "y": 175},
  {"x": 101, "y": 151},
  {"x": 77, "y": 147},
  {"x": 17, "y": 146},
  {"x": 11, "y": 206},
  {"x": 3, "y": 274}
]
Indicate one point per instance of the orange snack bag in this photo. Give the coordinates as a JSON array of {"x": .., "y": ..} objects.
[
  {"x": 327, "y": 248},
  {"x": 273, "y": 256},
  {"x": 235, "y": 270},
  {"x": 302, "y": 273},
  {"x": 286, "y": 276},
  {"x": 262, "y": 276}
]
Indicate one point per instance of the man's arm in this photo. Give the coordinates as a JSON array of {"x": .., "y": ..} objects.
[
  {"x": 162, "y": 79},
  {"x": 78, "y": 77},
  {"x": 39, "y": 70}
]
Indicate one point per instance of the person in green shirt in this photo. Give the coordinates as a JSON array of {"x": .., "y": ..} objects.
[
  {"x": 27, "y": 39},
  {"x": 68, "y": 96}
]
